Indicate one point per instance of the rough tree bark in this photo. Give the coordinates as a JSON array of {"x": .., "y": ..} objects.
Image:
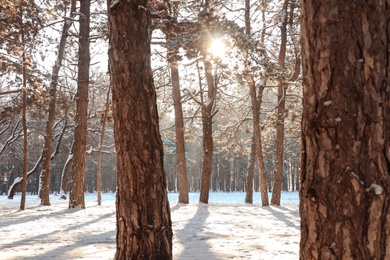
[
  {"x": 44, "y": 185},
  {"x": 76, "y": 196},
  {"x": 345, "y": 183},
  {"x": 143, "y": 215}
]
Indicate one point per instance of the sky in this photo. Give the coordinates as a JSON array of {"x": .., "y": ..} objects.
[{"x": 226, "y": 228}]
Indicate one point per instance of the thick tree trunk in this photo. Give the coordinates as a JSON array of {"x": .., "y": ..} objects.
[
  {"x": 179, "y": 127},
  {"x": 345, "y": 183},
  {"x": 207, "y": 126},
  {"x": 76, "y": 197},
  {"x": 44, "y": 185},
  {"x": 143, "y": 214}
]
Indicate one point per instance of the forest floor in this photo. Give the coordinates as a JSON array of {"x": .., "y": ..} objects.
[{"x": 226, "y": 228}]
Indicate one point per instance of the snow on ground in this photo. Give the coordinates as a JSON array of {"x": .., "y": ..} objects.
[{"x": 226, "y": 228}]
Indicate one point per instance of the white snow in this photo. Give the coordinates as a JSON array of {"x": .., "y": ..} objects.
[
  {"x": 377, "y": 188},
  {"x": 114, "y": 3},
  {"x": 327, "y": 103},
  {"x": 226, "y": 228}
]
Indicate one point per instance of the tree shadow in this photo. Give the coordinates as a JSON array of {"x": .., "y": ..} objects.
[
  {"x": 285, "y": 215},
  {"x": 64, "y": 251},
  {"x": 15, "y": 218},
  {"x": 194, "y": 235},
  {"x": 177, "y": 206},
  {"x": 42, "y": 238}
]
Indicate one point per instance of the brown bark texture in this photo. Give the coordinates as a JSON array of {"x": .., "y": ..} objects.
[
  {"x": 345, "y": 182},
  {"x": 207, "y": 127},
  {"x": 179, "y": 127},
  {"x": 144, "y": 228},
  {"x": 76, "y": 196}
]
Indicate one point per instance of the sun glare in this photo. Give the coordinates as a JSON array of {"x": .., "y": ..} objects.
[{"x": 217, "y": 48}]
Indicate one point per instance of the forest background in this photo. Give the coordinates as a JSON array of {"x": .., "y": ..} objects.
[{"x": 218, "y": 54}]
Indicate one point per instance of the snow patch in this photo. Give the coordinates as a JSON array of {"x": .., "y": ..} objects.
[
  {"x": 114, "y": 3},
  {"x": 357, "y": 177},
  {"x": 378, "y": 189},
  {"x": 327, "y": 103}
]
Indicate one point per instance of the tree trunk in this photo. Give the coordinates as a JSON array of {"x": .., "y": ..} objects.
[
  {"x": 76, "y": 197},
  {"x": 289, "y": 175},
  {"x": 251, "y": 157},
  {"x": 256, "y": 101},
  {"x": 345, "y": 183},
  {"x": 179, "y": 127},
  {"x": 232, "y": 179},
  {"x": 207, "y": 126},
  {"x": 279, "y": 161},
  {"x": 99, "y": 159},
  {"x": 250, "y": 174},
  {"x": 143, "y": 214},
  {"x": 179, "y": 121},
  {"x": 282, "y": 87},
  {"x": 257, "y": 135},
  {"x": 44, "y": 185},
  {"x": 24, "y": 114},
  {"x": 65, "y": 172}
]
